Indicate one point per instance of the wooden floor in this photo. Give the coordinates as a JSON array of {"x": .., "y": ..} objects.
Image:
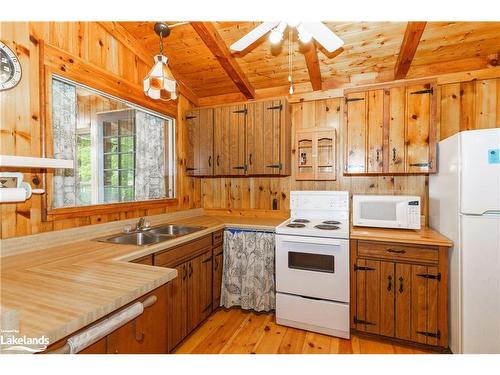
[{"x": 239, "y": 332}]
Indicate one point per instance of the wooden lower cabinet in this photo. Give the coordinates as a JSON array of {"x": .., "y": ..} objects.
[
  {"x": 146, "y": 334},
  {"x": 177, "y": 307},
  {"x": 400, "y": 299},
  {"x": 218, "y": 259}
]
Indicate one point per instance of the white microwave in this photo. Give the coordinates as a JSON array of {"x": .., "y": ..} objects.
[{"x": 386, "y": 211}]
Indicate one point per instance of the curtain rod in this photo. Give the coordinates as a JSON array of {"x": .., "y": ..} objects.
[{"x": 252, "y": 230}]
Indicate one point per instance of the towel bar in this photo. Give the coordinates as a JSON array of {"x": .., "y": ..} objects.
[{"x": 66, "y": 348}]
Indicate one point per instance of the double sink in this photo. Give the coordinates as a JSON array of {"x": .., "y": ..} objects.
[{"x": 149, "y": 236}]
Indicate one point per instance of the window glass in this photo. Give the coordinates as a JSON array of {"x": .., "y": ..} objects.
[{"x": 122, "y": 152}]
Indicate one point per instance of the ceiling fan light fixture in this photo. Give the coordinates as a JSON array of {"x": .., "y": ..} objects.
[
  {"x": 304, "y": 35},
  {"x": 275, "y": 37}
]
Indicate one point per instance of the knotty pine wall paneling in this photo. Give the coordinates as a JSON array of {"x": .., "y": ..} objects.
[{"x": 21, "y": 112}]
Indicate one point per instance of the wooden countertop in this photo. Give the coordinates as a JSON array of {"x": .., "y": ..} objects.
[
  {"x": 59, "y": 289},
  {"x": 424, "y": 236}
]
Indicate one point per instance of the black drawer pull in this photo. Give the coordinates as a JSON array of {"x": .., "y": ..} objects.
[
  {"x": 436, "y": 335},
  {"x": 359, "y": 321},
  {"x": 190, "y": 169},
  {"x": 243, "y": 167},
  {"x": 389, "y": 284},
  {"x": 274, "y": 166},
  {"x": 396, "y": 251},
  {"x": 207, "y": 260},
  {"x": 400, "y": 285},
  {"x": 421, "y": 165},
  {"x": 429, "y": 276},
  {"x": 361, "y": 268}
]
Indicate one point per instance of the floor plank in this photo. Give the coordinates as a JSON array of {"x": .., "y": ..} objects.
[{"x": 234, "y": 331}]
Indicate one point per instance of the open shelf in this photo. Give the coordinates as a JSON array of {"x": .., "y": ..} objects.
[{"x": 31, "y": 162}]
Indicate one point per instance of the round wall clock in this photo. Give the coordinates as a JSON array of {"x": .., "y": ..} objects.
[{"x": 10, "y": 68}]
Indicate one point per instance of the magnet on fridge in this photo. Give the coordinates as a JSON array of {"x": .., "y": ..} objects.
[{"x": 494, "y": 156}]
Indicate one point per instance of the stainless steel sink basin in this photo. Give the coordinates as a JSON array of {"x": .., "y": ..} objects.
[
  {"x": 150, "y": 236},
  {"x": 174, "y": 230}
]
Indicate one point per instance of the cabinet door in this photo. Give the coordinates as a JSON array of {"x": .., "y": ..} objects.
[
  {"x": 419, "y": 102},
  {"x": 199, "y": 289},
  {"x": 255, "y": 139},
  {"x": 375, "y": 297},
  {"x": 218, "y": 259},
  {"x": 355, "y": 144},
  {"x": 396, "y": 142},
  {"x": 206, "y": 289},
  {"x": 272, "y": 128},
  {"x": 192, "y": 120},
  {"x": 375, "y": 131},
  {"x": 403, "y": 301},
  {"x": 177, "y": 307},
  {"x": 324, "y": 151},
  {"x": 221, "y": 140},
  {"x": 304, "y": 155},
  {"x": 199, "y": 159},
  {"x": 424, "y": 304},
  {"x": 367, "y": 317},
  {"x": 146, "y": 334},
  {"x": 237, "y": 154}
]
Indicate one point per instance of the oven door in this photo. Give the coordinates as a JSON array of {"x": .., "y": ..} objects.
[{"x": 313, "y": 267}]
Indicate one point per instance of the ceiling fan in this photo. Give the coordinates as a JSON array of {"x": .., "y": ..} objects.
[{"x": 307, "y": 31}]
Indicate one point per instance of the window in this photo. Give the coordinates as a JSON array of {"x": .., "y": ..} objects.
[{"x": 122, "y": 152}]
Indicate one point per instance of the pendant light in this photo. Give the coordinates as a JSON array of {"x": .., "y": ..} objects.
[{"x": 160, "y": 83}]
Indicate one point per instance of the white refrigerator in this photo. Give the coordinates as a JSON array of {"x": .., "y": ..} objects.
[{"x": 464, "y": 205}]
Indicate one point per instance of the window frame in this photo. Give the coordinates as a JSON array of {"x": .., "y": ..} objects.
[{"x": 95, "y": 210}]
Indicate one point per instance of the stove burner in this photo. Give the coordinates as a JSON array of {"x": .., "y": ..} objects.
[
  {"x": 297, "y": 225},
  {"x": 326, "y": 227},
  {"x": 301, "y": 221},
  {"x": 331, "y": 222}
]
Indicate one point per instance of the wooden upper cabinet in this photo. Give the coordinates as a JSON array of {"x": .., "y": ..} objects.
[
  {"x": 200, "y": 159},
  {"x": 316, "y": 154},
  {"x": 268, "y": 138},
  {"x": 355, "y": 136},
  {"x": 420, "y": 128},
  {"x": 375, "y": 124},
  {"x": 391, "y": 130},
  {"x": 221, "y": 140},
  {"x": 237, "y": 121},
  {"x": 396, "y": 141}
]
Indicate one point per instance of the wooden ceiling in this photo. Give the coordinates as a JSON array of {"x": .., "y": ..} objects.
[{"x": 200, "y": 57}]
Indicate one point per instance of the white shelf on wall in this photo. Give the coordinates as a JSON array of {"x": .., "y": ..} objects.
[{"x": 30, "y": 162}]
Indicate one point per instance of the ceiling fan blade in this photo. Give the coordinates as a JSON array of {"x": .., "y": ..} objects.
[
  {"x": 253, "y": 35},
  {"x": 323, "y": 35}
]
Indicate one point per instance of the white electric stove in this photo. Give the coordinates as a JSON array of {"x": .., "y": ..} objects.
[{"x": 312, "y": 263}]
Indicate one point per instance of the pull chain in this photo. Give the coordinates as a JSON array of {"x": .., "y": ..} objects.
[
  {"x": 161, "y": 43},
  {"x": 290, "y": 60}
]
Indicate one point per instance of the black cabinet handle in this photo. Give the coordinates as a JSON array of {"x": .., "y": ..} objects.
[
  {"x": 394, "y": 154},
  {"x": 185, "y": 272},
  {"x": 389, "y": 283},
  {"x": 217, "y": 160},
  {"x": 396, "y": 251},
  {"x": 378, "y": 155},
  {"x": 401, "y": 284},
  {"x": 250, "y": 159},
  {"x": 274, "y": 166},
  {"x": 190, "y": 270},
  {"x": 210, "y": 161}
]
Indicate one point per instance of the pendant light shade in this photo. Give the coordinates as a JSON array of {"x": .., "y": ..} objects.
[{"x": 160, "y": 83}]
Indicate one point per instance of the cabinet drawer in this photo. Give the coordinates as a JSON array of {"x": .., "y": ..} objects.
[
  {"x": 397, "y": 251},
  {"x": 179, "y": 254},
  {"x": 217, "y": 238}
]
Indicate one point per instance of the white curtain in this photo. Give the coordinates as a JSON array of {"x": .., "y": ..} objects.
[
  {"x": 248, "y": 272},
  {"x": 64, "y": 136},
  {"x": 149, "y": 157}
]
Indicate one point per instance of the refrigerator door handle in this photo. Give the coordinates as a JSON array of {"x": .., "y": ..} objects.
[{"x": 491, "y": 212}]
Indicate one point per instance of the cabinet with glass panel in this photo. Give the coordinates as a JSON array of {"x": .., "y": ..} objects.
[{"x": 315, "y": 154}]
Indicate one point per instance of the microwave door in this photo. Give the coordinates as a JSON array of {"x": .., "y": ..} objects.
[{"x": 378, "y": 213}]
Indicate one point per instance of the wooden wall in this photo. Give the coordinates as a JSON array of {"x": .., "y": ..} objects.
[
  {"x": 21, "y": 115},
  {"x": 462, "y": 106}
]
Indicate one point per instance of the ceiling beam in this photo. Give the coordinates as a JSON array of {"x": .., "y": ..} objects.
[
  {"x": 219, "y": 49},
  {"x": 122, "y": 35},
  {"x": 312, "y": 62},
  {"x": 413, "y": 33}
]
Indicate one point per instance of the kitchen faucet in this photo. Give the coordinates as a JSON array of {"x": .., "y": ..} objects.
[{"x": 140, "y": 224}]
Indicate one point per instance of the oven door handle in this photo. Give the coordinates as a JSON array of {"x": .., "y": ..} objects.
[{"x": 314, "y": 240}]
